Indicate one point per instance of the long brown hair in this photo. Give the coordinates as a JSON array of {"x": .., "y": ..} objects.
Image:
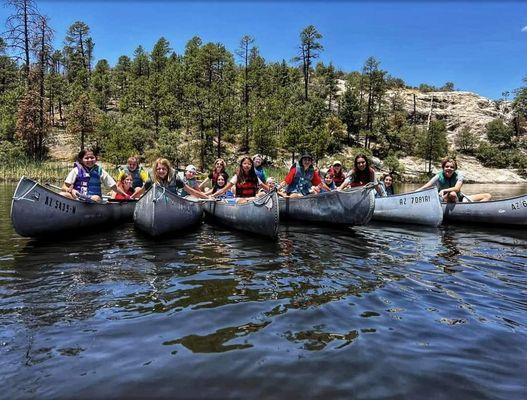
[
  {"x": 165, "y": 163},
  {"x": 364, "y": 176},
  {"x": 251, "y": 177}
]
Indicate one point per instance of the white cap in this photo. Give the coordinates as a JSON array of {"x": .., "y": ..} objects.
[{"x": 191, "y": 168}]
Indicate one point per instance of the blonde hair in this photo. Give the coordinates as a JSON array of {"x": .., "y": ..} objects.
[{"x": 165, "y": 163}]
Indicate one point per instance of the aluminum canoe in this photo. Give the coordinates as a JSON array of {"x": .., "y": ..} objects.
[
  {"x": 160, "y": 212},
  {"x": 421, "y": 208},
  {"x": 511, "y": 211},
  {"x": 352, "y": 207},
  {"x": 37, "y": 211},
  {"x": 260, "y": 216}
]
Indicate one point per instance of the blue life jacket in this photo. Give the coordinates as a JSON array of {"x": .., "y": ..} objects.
[
  {"x": 302, "y": 180},
  {"x": 136, "y": 175},
  {"x": 260, "y": 173},
  {"x": 331, "y": 187},
  {"x": 88, "y": 182}
]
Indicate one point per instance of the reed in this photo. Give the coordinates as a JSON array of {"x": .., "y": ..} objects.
[{"x": 54, "y": 171}]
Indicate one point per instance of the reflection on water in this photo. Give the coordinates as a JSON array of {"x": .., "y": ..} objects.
[{"x": 369, "y": 312}]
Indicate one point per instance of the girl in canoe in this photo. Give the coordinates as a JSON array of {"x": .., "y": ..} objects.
[
  {"x": 386, "y": 186},
  {"x": 301, "y": 177},
  {"x": 258, "y": 168},
  {"x": 139, "y": 175},
  {"x": 329, "y": 180},
  {"x": 337, "y": 172},
  {"x": 449, "y": 182},
  {"x": 86, "y": 178},
  {"x": 245, "y": 182},
  {"x": 221, "y": 181},
  {"x": 361, "y": 174},
  {"x": 189, "y": 179},
  {"x": 165, "y": 176},
  {"x": 125, "y": 183},
  {"x": 219, "y": 168}
]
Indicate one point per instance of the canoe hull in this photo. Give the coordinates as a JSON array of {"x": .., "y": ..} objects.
[
  {"x": 260, "y": 216},
  {"x": 160, "y": 212},
  {"x": 421, "y": 208},
  {"x": 511, "y": 211},
  {"x": 353, "y": 207},
  {"x": 37, "y": 211}
]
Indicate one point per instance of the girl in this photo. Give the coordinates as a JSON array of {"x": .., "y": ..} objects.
[
  {"x": 85, "y": 179},
  {"x": 221, "y": 181},
  {"x": 165, "y": 176},
  {"x": 125, "y": 183},
  {"x": 449, "y": 182},
  {"x": 245, "y": 181},
  {"x": 387, "y": 185},
  {"x": 260, "y": 171},
  {"x": 219, "y": 168}
]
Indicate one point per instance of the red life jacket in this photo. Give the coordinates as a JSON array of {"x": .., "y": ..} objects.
[{"x": 247, "y": 188}]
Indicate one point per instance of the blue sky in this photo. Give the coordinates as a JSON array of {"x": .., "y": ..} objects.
[{"x": 478, "y": 45}]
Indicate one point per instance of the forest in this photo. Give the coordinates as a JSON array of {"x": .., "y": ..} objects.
[{"x": 209, "y": 101}]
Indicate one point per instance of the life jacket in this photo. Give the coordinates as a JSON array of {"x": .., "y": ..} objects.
[
  {"x": 246, "y": 188},
  {"x": 136, "y": 175},
  {"x": 337, "y": 178},
  {"x": 88, "y": 182},
  {"x": 445, "y": 183},
  {"x": 302, "y": 180},
  {"x": 260, "y": 173}
]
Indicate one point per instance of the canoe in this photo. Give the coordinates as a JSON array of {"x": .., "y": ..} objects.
[
  {"x": 37, "y": 211},
  {"x": 351, "y": 207},
  {"x": 511, "y": 211},
  {"x": 421, "y": 208},
  {"x": 260, "y": 216},
  {"x": 160, "y": 211}
]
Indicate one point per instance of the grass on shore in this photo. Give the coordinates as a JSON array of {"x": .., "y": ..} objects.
[{"x": 39, "y": 171}]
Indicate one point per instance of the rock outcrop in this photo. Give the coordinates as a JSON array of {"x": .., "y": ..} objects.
[{"x": 458, "y": 109}]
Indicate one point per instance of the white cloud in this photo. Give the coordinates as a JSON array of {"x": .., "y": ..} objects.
[{"x": 524, "y": 29}]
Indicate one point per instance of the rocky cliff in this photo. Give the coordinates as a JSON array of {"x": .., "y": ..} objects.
[{"x": 458, "y": 109}]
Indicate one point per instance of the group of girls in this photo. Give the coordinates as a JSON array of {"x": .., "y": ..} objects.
[{"x": 250, "y": 179}]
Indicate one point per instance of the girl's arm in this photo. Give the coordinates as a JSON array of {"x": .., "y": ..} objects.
[
  {"x": 196, "y": 193},
  {"x": 116, "y": 188},
  {"x": 202, "y": 184}
]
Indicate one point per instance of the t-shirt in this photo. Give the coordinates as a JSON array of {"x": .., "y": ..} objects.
[
  {"x": 435, "y": 180},
  {"x": 315, "y": 181},
  {"x": 106, "y": 179},
  {"x": 234, "y": 180}
]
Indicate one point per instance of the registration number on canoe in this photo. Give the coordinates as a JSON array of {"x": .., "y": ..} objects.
[
  {"x": 519, "y": 204},
  {"x": 414, "y": 200},
  {"x": 59, "y": 205}
]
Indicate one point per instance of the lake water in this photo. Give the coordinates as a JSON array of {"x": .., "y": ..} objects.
[{"x": 368, "y": 312}]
